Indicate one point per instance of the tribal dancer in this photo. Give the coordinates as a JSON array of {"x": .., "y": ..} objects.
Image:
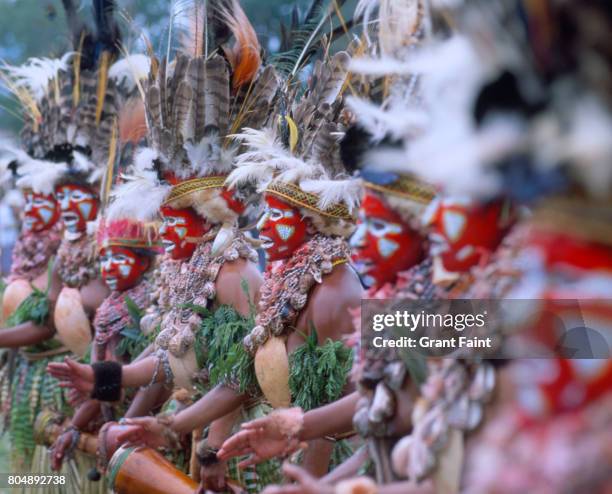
[
  {"x": 387, "y": 382},
  {"x": 69, "y": 113},
  {"x": 303, "y": 313},
  {"x": 38, "y": 240},
  {"x": 127, "y": 244},
  {"x": 193, "y": 106}
]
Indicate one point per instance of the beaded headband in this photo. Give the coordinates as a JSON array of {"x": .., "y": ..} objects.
[
  {"x": 194, "y": 185},
  {"x": 406, "y": 188},
  {"x": 299, "y": 197}
]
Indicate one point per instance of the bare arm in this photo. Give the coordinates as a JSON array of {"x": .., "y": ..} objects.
[
  {"x": 229, "y": 285},
  {"x": 215, "y": 404},
  {"x": 147, "y": 399},
  {"x": 29, "y": 333},
  {"x": 86, "y": 412},
  {"x": 140, "y": 373},
  {"x": 334, "y": 418},
  {"x": 349, "y": 468},
  {"x": 221, "y": 428},
  {"x": 25, "y": 334}
]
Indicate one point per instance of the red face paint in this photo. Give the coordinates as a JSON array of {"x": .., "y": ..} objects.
[
  {"x": 282, "y": 227},
  {"x": 41, "y": 212},
  {"x": 78, "y": 205},
  {"x": 122, "y": 267},
  {"x": 383, "y": 244},
  {"x": 232, "y": 202},
  {"x": 463, "y": 232},
  {"x": 180, "y": 228}
]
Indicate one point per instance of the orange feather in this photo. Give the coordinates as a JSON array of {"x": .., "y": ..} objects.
[
  {"x": 245, "y": 54},
  {"x": 132, "y": 122}
]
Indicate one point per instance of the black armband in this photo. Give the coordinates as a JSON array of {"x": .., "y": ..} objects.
[{"x": 107, "y": 381}]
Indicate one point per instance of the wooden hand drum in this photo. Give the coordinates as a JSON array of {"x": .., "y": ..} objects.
[{"x": 143, "y": 470}]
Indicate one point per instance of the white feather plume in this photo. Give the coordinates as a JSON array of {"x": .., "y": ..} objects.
[
  {"x": 379, "y": 67},
  {"x": 144, "y": 160},
  {"x": 397, "y": 119},
  {"x": 141, "y": 194},
  {"x": 14, "y": 198},
  {"x": 332, "y": 192},
  {"x": 459, "y": 157},
  {"x": 81, "y": 163},
  {"x": 39, "y": 175},
  {"x": 264, "y": 158},
  {"x": 130, "y": 69},
  {"x": 587, "y": 145},
  {"x": 35, "y": 74}
]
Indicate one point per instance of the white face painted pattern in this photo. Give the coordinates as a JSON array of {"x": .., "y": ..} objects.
[
  {"x": 454, "y": 224},
  {"x": 383, "y": 244},
  {"x": 121, "y": 267},
  {"x": 78, "y": 206},
  {"x": 40, "y": 212},
  {"x": 282, "y": 229}
]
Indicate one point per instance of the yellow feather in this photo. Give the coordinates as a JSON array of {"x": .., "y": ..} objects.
[
  {"x": 110, "y": 165},
  {"x": 293, "y": 131},
  {"x": 102, "y": 84},
  {"x": 76, "y": 66}
]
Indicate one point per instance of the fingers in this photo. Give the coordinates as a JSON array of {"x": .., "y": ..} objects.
[
  {"x": 141, "y": 421},
  {"x": 259, "y": 423},
  {"x": 58, "y": 369},
  {"x": 131, "y": 434},
  {"x": 236, "y": 443},
  {"x": 297, "y": 473},
  {"x": 72, "y": 364},
  {"x": 254, "y": 459},
  {"x": 246, "y": 450}
]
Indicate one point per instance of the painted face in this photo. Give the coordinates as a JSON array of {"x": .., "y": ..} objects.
[
  {"x": 41, "y": 212},
  {"x": 383, "y": 244},
  {"x": 463, "y": 232},
  {"x": 282, "y": 227},
  {"x": 78, "y": 205},
  {"x": 180, "y": 228},
  {"x": 232, "y": 202},
  {"x": 121, "y": 267}
]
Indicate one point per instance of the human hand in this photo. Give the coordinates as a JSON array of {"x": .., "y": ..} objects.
[
  {"x": 305, "y": 483},
  {"x": 73, "y": 375}
]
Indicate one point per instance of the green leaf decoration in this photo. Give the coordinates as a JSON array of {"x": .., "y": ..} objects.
[
  {"x": 133, "y": 341},
  {"x": 318, "y": 373},
  {"x": 219, "y": 347}
]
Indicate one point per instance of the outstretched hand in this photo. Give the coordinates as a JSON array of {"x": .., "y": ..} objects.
[
  {"x": 305, "y": 483},
  {"x": 143, "y": 431},
  {"x": 73, "y": 375},
  {"x": 261, "y": 439},
  {"x": 59, "y": 449}
]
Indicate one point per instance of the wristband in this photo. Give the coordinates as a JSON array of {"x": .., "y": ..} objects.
[
  {"x": 107, "y": 381},
  {"x": 171, "y": 437},
  {"x": 206, "y": 454}
]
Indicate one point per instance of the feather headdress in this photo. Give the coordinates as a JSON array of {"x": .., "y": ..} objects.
[
  {"x": 127, "y": 220},
  {"x": 297, "y": 157},
  {"x": 197, "y": 102},
  {"x": 69, "y": 107}
]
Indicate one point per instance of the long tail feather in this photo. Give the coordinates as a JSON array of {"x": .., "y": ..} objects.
[{"x": 245, "y": 55}]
